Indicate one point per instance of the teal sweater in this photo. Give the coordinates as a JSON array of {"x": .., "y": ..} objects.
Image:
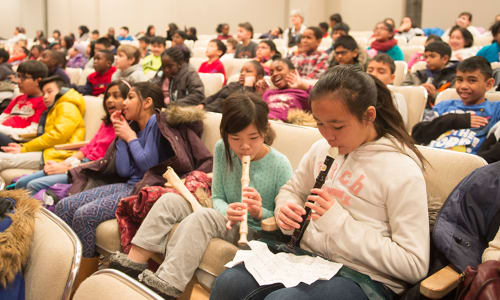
[{"x": 267, "y": 175}]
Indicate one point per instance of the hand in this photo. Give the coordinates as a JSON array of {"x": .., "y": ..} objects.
[
  {"x": 52, "y": 168},
  {"x": 321, "y": 203},
  {"x": 13, "y": 148},
  {"x": 290, "y": 216},
  {"x": 430, "y": 89},
  {"x": 250, "y": 81},
  {"x": 252, "y": 199},
  {"x": 477, "y": 121},
  {"x": 294, "y": 81},
  {"x": 122, "y": 129},
  {"x": 235, "y": 213},
  {"x": 261, "y": 86}
]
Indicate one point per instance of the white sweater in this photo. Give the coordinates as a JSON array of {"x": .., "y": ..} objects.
[{"x": 379, "y": 222}]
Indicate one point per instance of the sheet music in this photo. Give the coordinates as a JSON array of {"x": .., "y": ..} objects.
[{"x": 286, "y": 268}]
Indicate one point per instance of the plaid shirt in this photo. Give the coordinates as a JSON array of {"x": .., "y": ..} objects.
[{"x": 311, "y": 66}]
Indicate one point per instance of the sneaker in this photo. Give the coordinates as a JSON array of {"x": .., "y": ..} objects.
[
  {"x": 159, "y": 286},
  {"x": 120, "y": 261}
]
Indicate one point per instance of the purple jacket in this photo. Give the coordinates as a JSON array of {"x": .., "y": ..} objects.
[{"x": 281, "y": 101}]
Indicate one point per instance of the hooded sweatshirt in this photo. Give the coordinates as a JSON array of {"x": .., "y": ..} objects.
[
  {"x": 378, "y": 224},
  {"x": 281, "y": 101},
  {"x": 133, "y": 74},
  {"x": 64, "y": 124}
]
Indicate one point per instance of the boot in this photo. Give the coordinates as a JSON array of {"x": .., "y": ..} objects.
[
  {"x": 120, "y": 261},
  {"x": 88, "y": 266}
]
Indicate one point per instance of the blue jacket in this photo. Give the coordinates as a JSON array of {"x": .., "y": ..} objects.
[
  {"x": 490, "y": 52},
  {"x": 469, "y": 218}
]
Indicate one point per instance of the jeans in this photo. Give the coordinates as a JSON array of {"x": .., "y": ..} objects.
[
  {"x": 238, "y": 283},
  {"x": 38, "y": 180}
]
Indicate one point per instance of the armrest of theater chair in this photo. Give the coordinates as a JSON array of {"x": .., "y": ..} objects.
[
  {"x": 72, "y": 146},
  {"x": 269, "y": 224},
  {"x": 440, "y": 283},
  {"x": 27, "y": 136}
]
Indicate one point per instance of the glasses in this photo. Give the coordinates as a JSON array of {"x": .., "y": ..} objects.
[{"x": 23, "y": 77}]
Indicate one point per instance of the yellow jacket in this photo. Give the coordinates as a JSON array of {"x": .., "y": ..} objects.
[{"x": 64, "y": 124}]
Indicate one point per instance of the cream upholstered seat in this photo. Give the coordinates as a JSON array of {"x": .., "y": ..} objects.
[
  {"x": 54, "y": 259},
  {"x": 400, "y": 73},
  {"x": 451, "y": 94},
  {"x": 196, "y": 62},
  {"x": 420, "y": 65},
  {"x": 233, "y": 65},
  {"x": 416, "y": 98},
  {"x": 213, "y": 82},
  {"x": 94, "y": 111},
  {"x": 108, "y": 284},
  {"x": 74, "y": 74},
  {"x": 84, "y": 75},
  {"x": 220, "y": 252}
]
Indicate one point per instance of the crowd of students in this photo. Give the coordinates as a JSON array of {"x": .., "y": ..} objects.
[{"x": 377, "y": 228}]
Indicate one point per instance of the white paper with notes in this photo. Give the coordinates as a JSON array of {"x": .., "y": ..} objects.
[{"x": 286, "y": 268}]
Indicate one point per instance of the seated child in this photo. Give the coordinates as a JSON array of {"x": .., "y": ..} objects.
[
  {"x": 24, "y": 112},
  {"x": 98, "y": 81},
  {"x": 62, "y": 124},
  {"x": 179, "y": 82},
  {"x": 309, "y": 62},
  {"x": 440, "y": 73},
  {"x": 266, "y": 53},
  {"x": 290, "y": 93},
  {"x": 152, "y": 62},
  {"x": 461, "y": 41},
  {"x": 492, "y": 52},
  {"x": 338, "y": 30},
  {"x": 178, "y": 38},
  {"x": 77, "y": 58},
  {"x": 385, "y": 42},
  {"x": 367, "y": 222},
  {"x": 250, "y": 74},
  {"x": 144, "y": 43},
  {"x": 19, "y": 54},
  {"x": 127, "y": 65},
  {"x": 382, "y": 66},
  {"x": 347, "y": 52},
  {"x": 55, "y": 62},
  {"x": 56, "y": 172},
  {"x": 462, "y": 125},
  {"x": 5, "y": 68},
  {"x": 419, "y": 56},
  {"x": 124, "y": 34},
  {"x": 7, "y": 87},
  {"x": 245, "y": 130},
  {"x": 247, "y": 48},
  {"x": 35, "y": 52},
  {"x": 223, "y": 31},
  {"x": 215, "y": 50},
  {"x": 231, "y": 45},
  {"x": 102, "y": 43}
]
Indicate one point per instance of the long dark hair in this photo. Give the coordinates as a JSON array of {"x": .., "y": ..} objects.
[
  {"x": 359, "y": 90},
  {"x": 148, "y": 89},
  {"x": 124, "y": 87},
  {"x": 239, "y": 110},
  {"x": 272, "y": 46}
]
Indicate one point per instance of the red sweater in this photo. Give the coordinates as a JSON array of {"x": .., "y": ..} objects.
[
  {"x": 100, "y": 82},
  {"x": 215, "y": 67},
  {"x": 22, "y": 111}
]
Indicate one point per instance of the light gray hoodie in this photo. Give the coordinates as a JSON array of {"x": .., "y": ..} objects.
[{"x": 378, "y": 224}]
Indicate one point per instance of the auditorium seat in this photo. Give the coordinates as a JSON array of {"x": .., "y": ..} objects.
[{"x": 54, "y": 259}]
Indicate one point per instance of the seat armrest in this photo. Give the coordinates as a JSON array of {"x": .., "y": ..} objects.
[
  {"x": 440, "y": 283},
  {"x": 269, "y": 224},
  {"x": 72, "y": 146}
]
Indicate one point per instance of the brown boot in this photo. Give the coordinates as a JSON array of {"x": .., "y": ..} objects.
[{"x": 88, "y": 266}]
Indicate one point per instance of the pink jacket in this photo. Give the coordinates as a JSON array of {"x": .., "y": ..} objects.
[{"x": 98, "y": 145}]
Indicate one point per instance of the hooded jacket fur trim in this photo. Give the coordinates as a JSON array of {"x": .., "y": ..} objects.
[{"x": 15, "y": 241}]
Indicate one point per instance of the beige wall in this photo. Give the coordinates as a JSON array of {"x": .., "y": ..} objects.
[
  {"x": 443, "y": 13},
  {"x": 67, "y": 15}
]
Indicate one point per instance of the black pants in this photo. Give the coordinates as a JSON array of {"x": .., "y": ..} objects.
[{"x": 5, "y": 139}]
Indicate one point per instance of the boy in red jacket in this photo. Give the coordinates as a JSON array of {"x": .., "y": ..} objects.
[{"x": 98, "y": 81}]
